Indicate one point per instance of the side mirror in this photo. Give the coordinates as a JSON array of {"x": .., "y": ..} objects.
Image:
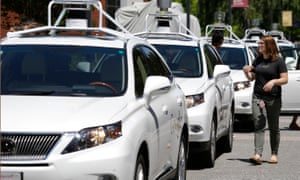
[
  {"x": 155, "y": 85},
  {"x": 290, "y": 63},
  {"x": 221, "y": 69},
  {"x": 84, "y": 66}
]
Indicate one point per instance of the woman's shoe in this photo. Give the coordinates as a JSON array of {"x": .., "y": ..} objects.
[
  {"x": 294, "y": 126},
  {"x": 273, "y": 159},
  {"x": 256, "y": 160}
]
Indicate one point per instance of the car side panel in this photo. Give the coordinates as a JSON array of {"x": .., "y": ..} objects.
[
  {"x": 226, "y": 99},
  {"x": 290, "y": 102}
]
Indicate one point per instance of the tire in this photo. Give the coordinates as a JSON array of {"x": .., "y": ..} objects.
[
  {"x": 210, "y": 154},
  {"x": 140, "y": 172},
  {"x": 181, "y": 161}
]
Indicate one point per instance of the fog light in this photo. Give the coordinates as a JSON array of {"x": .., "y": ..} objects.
[
  {"x": 107, "y": 177},
  {"x": 196, "y": 128},
  {"x": 245, "y": 104}
]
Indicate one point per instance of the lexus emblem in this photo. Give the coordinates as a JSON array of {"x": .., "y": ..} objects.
[{"x": 8, "y": 146}]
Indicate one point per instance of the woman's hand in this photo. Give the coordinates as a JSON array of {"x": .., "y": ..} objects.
[
  {"x": 248, "y": 70},
  {"x": 268, "y": 86},
  {"x": 276, "y": 82}
]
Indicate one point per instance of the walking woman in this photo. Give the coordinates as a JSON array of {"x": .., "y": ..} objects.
[{"x": 269, "y": 72}]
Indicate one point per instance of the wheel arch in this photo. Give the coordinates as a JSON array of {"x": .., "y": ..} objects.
[
  {"x": 145, "y": 152},
  {"x": 215, "y": 117},
  {"x": 185, "y": 134}
]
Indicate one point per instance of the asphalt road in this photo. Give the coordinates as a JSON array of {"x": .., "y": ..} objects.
[{"x": 236, "y": 166}]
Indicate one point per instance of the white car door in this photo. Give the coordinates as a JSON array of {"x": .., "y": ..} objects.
[
  {"x": 290, "y": 100},
  {"x": 224, "y": 87},
  {"x": 162, "y": 106},
  {"x": 172, "y": 108}
]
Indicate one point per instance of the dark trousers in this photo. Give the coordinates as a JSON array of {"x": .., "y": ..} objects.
[{"x": 266, "y": 111}]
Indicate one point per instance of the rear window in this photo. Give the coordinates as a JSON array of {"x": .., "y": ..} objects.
[{"x": 63, "y": 70}]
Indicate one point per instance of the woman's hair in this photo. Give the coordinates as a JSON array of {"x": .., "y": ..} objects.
[{"x": 270, "y": 46}]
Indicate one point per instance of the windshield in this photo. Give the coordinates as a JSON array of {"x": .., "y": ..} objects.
[
  {"x": 62, "y": 70},
  {"x": 184, "y": 61},
  {"x": 235, "y": 58}
]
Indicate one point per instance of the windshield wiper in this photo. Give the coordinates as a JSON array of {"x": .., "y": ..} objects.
[{"x": 33, "y": 92}]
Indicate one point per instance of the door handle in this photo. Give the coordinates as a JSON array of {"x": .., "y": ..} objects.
[
  {"x": 179, "y": 102},
  {"x": 165, "y": 109}
]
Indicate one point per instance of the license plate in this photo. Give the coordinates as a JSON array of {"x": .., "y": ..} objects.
[{"x": 11, "y": 176}]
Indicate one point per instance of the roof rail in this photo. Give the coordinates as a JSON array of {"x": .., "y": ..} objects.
[
  {"x": 78, "y": 23},
  {"x": 163, "y": 22},
  {"x": 167, "y": 35},
  {"x": 223, "y": 27}
]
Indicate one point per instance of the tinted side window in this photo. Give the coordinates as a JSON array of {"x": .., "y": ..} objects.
[
  {"x": 212, "y": 59},
  {"x": 141, "y": 71},
  {"x": 147, "y": 63},
  {"x": 156, "y": 65}
]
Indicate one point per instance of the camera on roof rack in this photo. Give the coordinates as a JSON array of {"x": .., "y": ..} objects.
[
  {"x": 164, "y": 4},
  {"x": 77, "y": 19},
  {"x": 219, "y": 17}
]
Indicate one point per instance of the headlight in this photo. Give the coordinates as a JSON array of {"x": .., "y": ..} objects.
[
  {"x": 241, "y": 85},
  {"x": 91, "y": 137},
  {"x": 194, "y": 100}
]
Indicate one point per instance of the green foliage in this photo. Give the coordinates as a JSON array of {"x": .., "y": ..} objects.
[
  {"x": 267, "y": 12},
  {"x": 29, "y": 9}
]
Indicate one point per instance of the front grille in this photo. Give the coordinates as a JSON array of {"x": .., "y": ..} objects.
[{"x": 22, "y": 147}]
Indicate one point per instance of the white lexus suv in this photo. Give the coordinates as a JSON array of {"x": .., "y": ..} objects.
[
  {"x": 88, "y": 103},
  {"x": 206, "y": 83},
  {"x": 236, "y": 54}
]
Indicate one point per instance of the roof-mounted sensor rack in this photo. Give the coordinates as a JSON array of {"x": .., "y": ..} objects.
[
  {"x": 65, "y": 23},
  {"x": 163, "y": 22},
  {"x": 278, "y": 35},
  {"x": 253, "y": 34},
  {"x": 209, "y": 29},
  {"x": 166, "y": 25}
]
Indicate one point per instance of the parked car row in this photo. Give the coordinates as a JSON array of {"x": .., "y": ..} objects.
[
  {"x": 87, "y": 102},
  {"x": 93, "y": 104}
]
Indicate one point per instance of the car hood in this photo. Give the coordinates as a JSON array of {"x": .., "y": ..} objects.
[
  {"x": 238, "y": 76},
  {"x": 191, "y": 86},
  {"x": 57, "y": 114}
]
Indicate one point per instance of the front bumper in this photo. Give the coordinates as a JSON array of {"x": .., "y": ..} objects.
[
  {"x": 200, "y": 117},
  {"x": 243, "y": 101},
  {"x": 105, "y": 162}
]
